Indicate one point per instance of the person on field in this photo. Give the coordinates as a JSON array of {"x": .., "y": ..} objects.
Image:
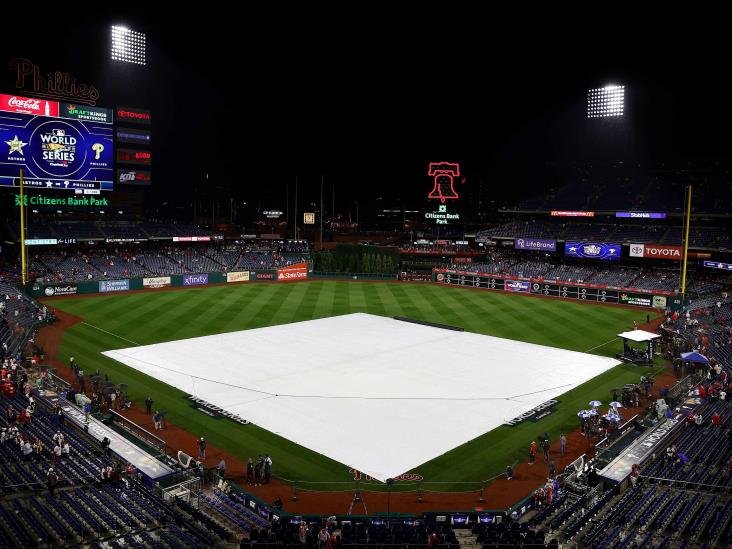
[
  {"x": 532, "y": 452},
  {"x": 562, "y": 444},
  {"x": 201, "y": 449},
  {"x": 148, "y": 404}
]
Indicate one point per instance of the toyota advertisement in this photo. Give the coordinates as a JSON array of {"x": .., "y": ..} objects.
[
  {"x": 657, "y": 251},
  {"x": 593, "y": 250},
  {"x": 58, "y": 146},
  {"x": 539, "y": 244}
]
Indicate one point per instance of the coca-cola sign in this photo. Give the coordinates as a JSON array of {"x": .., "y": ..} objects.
[
  {"x": 56, "y": 85},
  {"x": 28, "y": 105}
]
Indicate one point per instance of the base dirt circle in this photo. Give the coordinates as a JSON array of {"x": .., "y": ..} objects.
[{"x": 499, "y": 494}]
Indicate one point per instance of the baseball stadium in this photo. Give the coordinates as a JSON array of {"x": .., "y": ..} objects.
[{"x": 299, "y": 330}]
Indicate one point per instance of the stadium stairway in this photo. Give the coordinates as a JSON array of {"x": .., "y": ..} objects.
[{"x": 467, "y": 539}]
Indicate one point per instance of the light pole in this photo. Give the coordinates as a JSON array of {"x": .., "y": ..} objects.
[{"x": 389, "y": 483}]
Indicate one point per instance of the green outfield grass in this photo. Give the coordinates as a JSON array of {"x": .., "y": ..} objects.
[{"x": 120, "y": 320}]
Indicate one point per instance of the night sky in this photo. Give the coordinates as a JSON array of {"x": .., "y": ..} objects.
[{"x": 368, "y": 99}]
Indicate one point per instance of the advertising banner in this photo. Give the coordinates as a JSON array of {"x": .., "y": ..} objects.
[
  {"x": 563, "y": 213},
  {"x": 299, "y": 271},
  {"x": 659, "y": 301},
  {"x": 156, "y": 282},
  {"x": 641, "y": 300},
  {"x": 592, "y": 250},
  {"x": 137, "y": 137},
  {"x": 68, "y": 289},
  {"x": 195, "y": 280},
  {"x": 242, "y": 276},
  {"x": 191, "y": 239},
  {"x": 540, "y": 244},
  {"x": 263, "y": 275},
  {"x": 87, "y": 113},
  {"x": 641, "y": 215},
  {"x": 136, "y": 116},
  {"x": 517, "y": 286},
  {"x": 40, "y": 241},
  {"x": 657, "y": 251},
  {"x": 114, "y": 285},
  {"x": 28, "y": 105},
  {"x": 712, "y": 264}
]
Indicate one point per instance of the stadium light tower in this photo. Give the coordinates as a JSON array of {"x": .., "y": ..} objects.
[
  {"x": 606, "y": 102},
  {"x": 128, "y": 46}
]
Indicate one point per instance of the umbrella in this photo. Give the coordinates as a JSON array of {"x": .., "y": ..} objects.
[
  {"x": 694, "y": 357},
  {"x": 592, "y": 412},
  {"x": 616, "y": 404},
  {"x": 612, "y": 417},
  {"x": 583, "y": 414},
  {"x": 595, "y": 403}
]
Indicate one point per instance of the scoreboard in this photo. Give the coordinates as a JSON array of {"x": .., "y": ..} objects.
[{"x": 551, "y": 289}]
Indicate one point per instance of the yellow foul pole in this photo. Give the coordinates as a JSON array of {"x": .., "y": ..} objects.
[
  {"x": 23, "y": 265},
  {"x": 686, "y": 242}
]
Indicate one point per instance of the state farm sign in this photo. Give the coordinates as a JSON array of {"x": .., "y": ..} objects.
[
  {"x": 657, "y": 251},
  {"x": 299, "y": 271}
]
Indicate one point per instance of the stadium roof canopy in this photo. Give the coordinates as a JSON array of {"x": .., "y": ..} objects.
[{"x": 638, "y": 335}]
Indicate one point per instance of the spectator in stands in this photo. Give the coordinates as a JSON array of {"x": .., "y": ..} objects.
[
  {"x": 58, "y": 438},
  {"x": 221, "y": 468},
  {"x": 66, "y": 449},
  {"x": 57, "y": 453},
  {"x": 148, "y": 404},
  {"x": 634, "y": 474},
  {"x": 716, "y": 419},
  {"x": 201, "y": 449},
  {"x": 105, "y": 447},
  {"x": 51, "y": 480},
  {"x": 130, "y": 470}
]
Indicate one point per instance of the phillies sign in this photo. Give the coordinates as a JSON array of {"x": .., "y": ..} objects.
[{"x": 656, "y": 251}]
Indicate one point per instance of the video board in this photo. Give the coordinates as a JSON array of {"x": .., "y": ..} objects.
[{"x": 60, "y": 146}]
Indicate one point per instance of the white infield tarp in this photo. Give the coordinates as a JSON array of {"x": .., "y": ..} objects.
[{"x": 376, "y": 394}]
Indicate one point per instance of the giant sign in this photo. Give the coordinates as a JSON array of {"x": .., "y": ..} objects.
[
  {"x": 592, "y": 250},
  {"x": 657, "y": 251},
  {"x": 57, "y": 146},
  {"x": 540, "y": 244}
]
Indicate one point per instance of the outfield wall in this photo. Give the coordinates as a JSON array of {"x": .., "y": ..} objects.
[
  {"x": 285, "y": 274},
  {"x": 553, "y": 288}
]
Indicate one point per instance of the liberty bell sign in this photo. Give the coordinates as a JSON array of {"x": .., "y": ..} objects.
[{"x": 443, "y": 174}]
